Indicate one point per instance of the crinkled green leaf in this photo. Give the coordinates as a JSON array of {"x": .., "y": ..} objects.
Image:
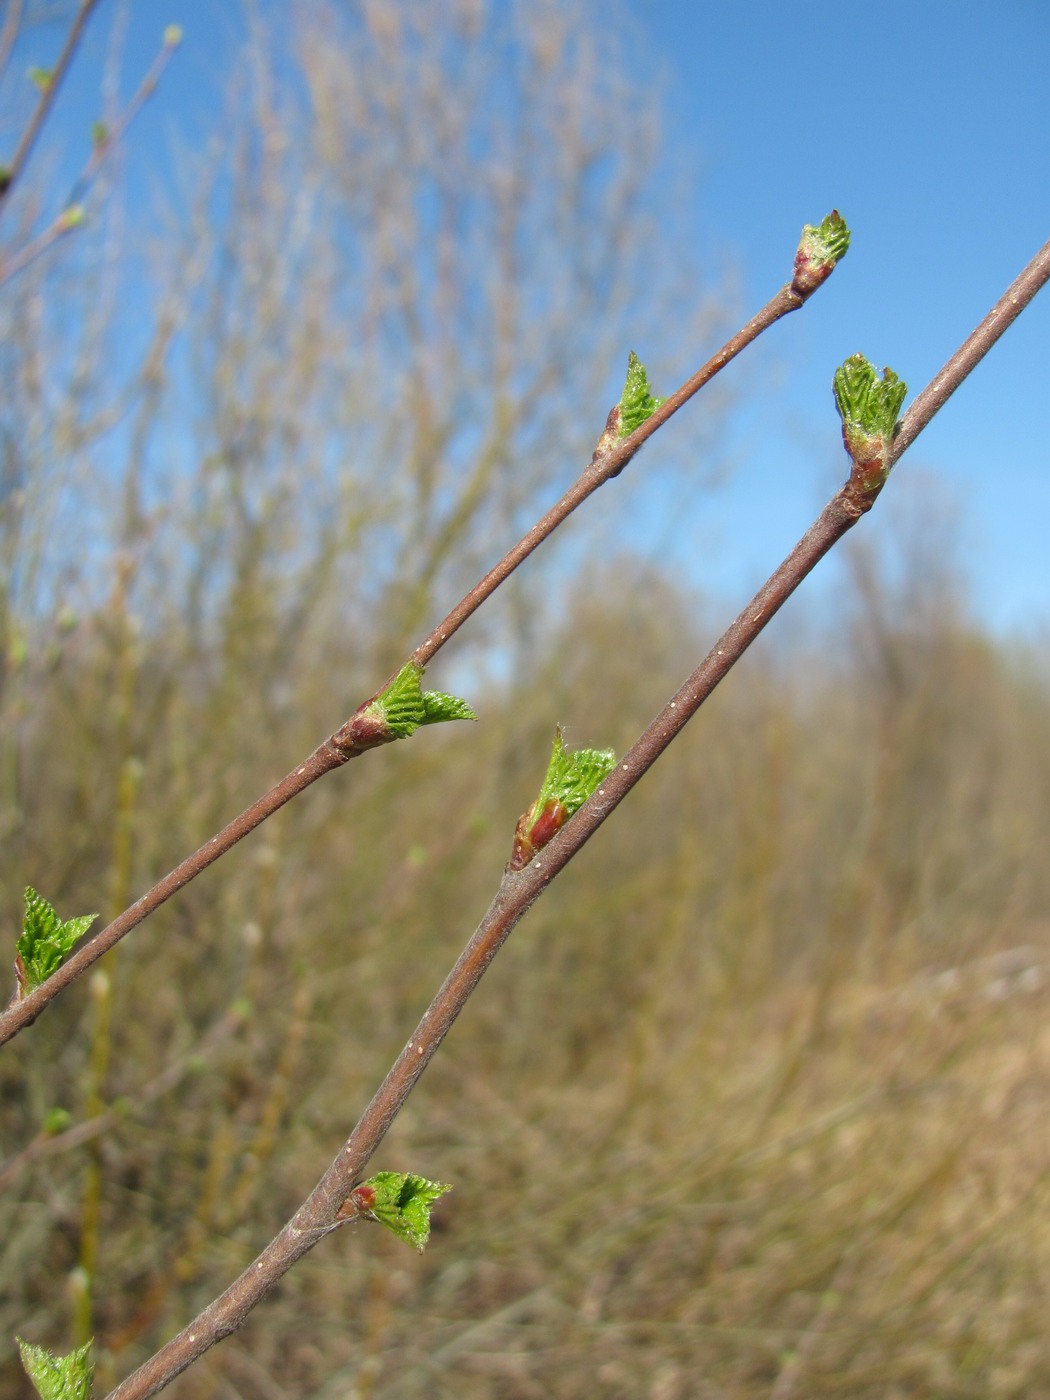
[
  {"x": 58, "y": 1377},
  {"x": 46, "y": 941},
  {"x": 405, "y": 705},
  {"x": 438, "y": 707},
  {"x": 829, "y": 241},
  {"x": 636, "y": 402},
  {"x": 572, "y": 777},
  {"x": 867, "y": 404},
  {"x": 401, "y": 704},
  {"x": 868, "y": 407},
  {"x": 403, "y": 1202},
  {"x": 570, "y": 780},
  {"x": 819, "y": 249}
]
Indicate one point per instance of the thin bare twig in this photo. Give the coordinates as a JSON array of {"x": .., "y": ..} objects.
[
  {"x": 47, "y": 1144},
  {"x": 72, "y": 215},
  {"x": 59, "y": 226},
  {"x": 9, "y": 33},
  {"x": 518, "y": 891},
  {"x": 47, "y": 97},
  {"x": 342, "y": 746},
  {"x": 112, "y": 138},
  {"x": 610, "y": 465},
  {"x": 973, "y": 349}
]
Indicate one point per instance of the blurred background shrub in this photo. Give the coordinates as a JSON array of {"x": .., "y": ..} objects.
[{"x": 753, "y": 1102}]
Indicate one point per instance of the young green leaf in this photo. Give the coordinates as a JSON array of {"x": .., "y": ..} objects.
[
  {"x": 439, "y": 707},
  {"x": 868, "y": 407},
  {"x": 403, "y": 1202},
  {"x": 41, "y": 78},
  {"x": 46, "y": 941},
  {"x": 403, "y": 707},
  {"x": 58, "y": 1377},
  {"x": 820, "y": 249},
  {"x": 56, "y": 1120},
  {"x": 570, "y": 780},
  {"x": 636, "y": 402}
]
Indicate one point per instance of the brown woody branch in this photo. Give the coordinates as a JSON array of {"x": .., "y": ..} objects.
[
  {"x": 344, "y": 744},
  {"x": 327, "y": 1205}
]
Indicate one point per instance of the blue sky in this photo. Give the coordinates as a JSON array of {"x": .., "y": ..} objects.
[{"x": 928, "y": 125}]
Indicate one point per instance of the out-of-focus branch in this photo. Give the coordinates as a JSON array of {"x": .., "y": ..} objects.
[
  {"x": 50, "y": 1144},
  {"x": 331, "y": 1202},
  {"x": 73, "y": 214},
  {"x": 69, "y": 219},
  {"x": 347, "y": 742},
  {"x": 111, "y": 138},
  {"x": 48, "y": 93},
  {"x": 9, "y": 32}
]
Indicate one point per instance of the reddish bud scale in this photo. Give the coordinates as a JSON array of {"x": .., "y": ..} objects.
[
  {"x": 869, "y": 459},
  {"x": 360, "y": 1201},
  {"x": 367, "y": 728},
  {"x": 533, "y": 832},
  {"x": 610, "y": 435},
  {"x": 869, "y": 474},
  {"x": 809, "y": 274}
]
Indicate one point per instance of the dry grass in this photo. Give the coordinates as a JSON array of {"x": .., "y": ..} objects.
[{"x": 714, "y": 1126}]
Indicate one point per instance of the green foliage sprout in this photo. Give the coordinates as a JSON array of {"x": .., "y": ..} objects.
[
  {"x": 867, "y": 404},
  {"x": 570, "y": 780},
  {"x": 46, "y": 941},
  {"x": 636, "y": 402},
  {"x": 58, "y": 1377},
  {"x": 821, "y": 247},
  {"x": 869, "y": 407},
  {"x": 405, "y": 705},
  {"x": 828, "y": 241},
  {"x": 403, "y": 1202},
  {"x": 572, "y": 777}
]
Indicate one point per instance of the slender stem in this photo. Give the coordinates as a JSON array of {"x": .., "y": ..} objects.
[
  {"x": 24, "y": 1012},
  {"x": 59, "y": 226},
  {"x": 600, "y": 471},
  {"x": 72, "y": 216},
  {"x": 47, "y": 97},
  {"x": 145, "y": 90},
  {"x": 339, "y": 747},
  {"x": 50, "y": 1144},
  {"x": 516, "y": 894},
  {"x": 9, "y": 32},
  {"x": 973, "y": 349},
  {"x": 320, "y": 1212}
]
